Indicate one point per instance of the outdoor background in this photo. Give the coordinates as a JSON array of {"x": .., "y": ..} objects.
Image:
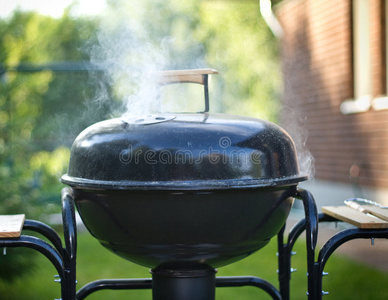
[{"x": 43, "y": 108}]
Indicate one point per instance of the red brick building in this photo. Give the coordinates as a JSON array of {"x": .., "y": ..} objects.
[{"x": 334, "y": 58}]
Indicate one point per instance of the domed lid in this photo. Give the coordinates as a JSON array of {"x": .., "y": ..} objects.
[{"x": 183, "y": 152}]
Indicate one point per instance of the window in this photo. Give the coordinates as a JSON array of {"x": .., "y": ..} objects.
[
  {"x": 381, "y": 102},
  {"x": 362, "y": 67}
]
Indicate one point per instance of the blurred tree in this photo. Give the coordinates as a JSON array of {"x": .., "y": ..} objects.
[
  {"x": 20, "y": 101},
  {"x": 37, "y": 116},
  {"x": 230, "y": 36},
  {"x": 240, "y": 45}
]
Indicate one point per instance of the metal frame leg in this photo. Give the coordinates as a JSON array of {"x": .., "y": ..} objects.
[
  {"x": 334, "y": 242},
  {"x": 63, "y": 259},
  {"x": 311, "y": 237},
  {"x": 310, "y": 224},
  {"x": 70, "y": 237},
  {"x": 284, "y": 265},
  {"x": 315, "y": 267},
  {"x": 114, "y": 284},
  {"x": 285, "y": 253}
]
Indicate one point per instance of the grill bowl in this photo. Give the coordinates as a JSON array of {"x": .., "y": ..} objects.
[{"x": 184, "y": 228}]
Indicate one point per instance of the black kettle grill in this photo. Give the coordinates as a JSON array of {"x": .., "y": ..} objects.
[{"x": 183, "y": 193}]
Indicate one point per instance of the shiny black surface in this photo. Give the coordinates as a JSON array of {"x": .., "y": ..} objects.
[
  {"x": 184, "y": 229},
  {"x": 183, "y": 151}
]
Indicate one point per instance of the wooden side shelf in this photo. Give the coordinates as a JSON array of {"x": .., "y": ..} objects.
[
  {"x": 362, "y": 220},
  {"x": 11, "y": 225}
]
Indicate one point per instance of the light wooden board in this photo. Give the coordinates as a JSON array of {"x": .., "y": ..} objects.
[
  {"x": 379, "y": 212},
  {"x": 11, "y": 225},
  {"x": 354, "y": 217}
]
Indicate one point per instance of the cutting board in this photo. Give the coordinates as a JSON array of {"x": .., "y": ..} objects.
[
  {"x": 357, "y": 218},
  {"x": 11, "y": 225}
]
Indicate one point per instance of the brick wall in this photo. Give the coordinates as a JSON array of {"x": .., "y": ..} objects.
[{"x": 318, "y": 77}]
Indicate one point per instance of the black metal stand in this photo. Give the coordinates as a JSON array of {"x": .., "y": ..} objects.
[
  {"x": 333, "y": 243},
  {"x": 63, "y": 259},
  {"x": 315, "y": 268},
  {"x": 310, "y": 225},
  {"x": 146, "y": 283}
]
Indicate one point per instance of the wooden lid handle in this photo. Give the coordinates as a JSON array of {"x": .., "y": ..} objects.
[{"x": 191, "y": 75}]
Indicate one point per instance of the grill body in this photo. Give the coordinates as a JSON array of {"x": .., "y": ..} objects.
[{"x": 184, "y": 228}]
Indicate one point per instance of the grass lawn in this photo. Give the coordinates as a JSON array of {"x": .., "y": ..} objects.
[{"x": 347, "y": 279}]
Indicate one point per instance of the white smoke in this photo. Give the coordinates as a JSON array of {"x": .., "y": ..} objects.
[
  {"x": 128, "y": 57},
  {"x": 130, "y": 53},
  {"x": 293, "y": 122}
]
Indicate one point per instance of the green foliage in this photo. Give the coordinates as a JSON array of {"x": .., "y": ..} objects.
[
  {"x": 239, "y": 44},
  {"x": 33, "y": 154},
  {"x": 229, "y": 36},
  {"x": 26, "y": 122},
  {"x": 20, "y": 102},
  {"x": 41, "y": 112}
]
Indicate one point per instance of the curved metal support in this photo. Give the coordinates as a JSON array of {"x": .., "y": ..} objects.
[
  {"x": 69, "y": 223},
  {"x": 39, "y": 245},
  {"x": 46, "y": 231},
  {"x": 284, "y": 265},
  {"x": 62, "y": 263},
  {"x": 315, "y": 268},
  {"x": 70, "y": 234},
  {"x": 114, "y": 284},
  {"x": 311, "y": 225},
  {"x": 249, "y": 281},
  {"x": 146, "y": 283},
  {"x": 299, "y": 227},
  {"x": 47, "y": 250},
  {"x": 344, "y": 236},
  {"x": 63, "y": 259},
  {"x": 334, "y": 242},
  {"x": 285, "y": 252},
  {"x": 311, "y": 219}
]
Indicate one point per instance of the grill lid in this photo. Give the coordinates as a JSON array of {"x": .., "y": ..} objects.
[{"x": 183, "y": 152}]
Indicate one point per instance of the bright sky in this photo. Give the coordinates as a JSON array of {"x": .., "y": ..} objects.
[{"x": 52, "y": 8}]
